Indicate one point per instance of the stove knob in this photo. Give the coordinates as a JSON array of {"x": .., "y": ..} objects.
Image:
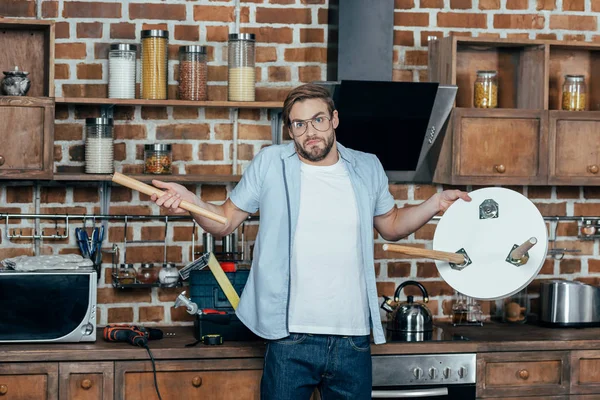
[
  {"x": 447, "y": 372},
  {"x": 418, "y": 373},
  {"x": 432, "y": 373},
  {"x": 462, "y": 372}
]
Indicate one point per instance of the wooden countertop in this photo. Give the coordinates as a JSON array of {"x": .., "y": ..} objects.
[{"x": 492, "y": 337}]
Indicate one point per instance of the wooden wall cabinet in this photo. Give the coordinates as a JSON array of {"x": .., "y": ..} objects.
[
  {"x": 527, "y": 140},
  {"x": 26, "y": 381},
  {"x": 86, "y": 381},
  {"x": 585, "y": 372}
]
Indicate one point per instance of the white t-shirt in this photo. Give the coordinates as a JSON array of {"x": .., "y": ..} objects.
[{"x": 327, "y": 287}]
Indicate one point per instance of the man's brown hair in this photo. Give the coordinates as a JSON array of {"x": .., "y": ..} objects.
[{"x": 305, "y": 92}]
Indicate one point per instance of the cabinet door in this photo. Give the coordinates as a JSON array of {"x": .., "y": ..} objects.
[
  {"x": 585, "y": 372},
  {"x": 27, "y": 381},
  {"x": 26, "y": 138},
  {"x": 202, "y": 379},
  {"x": 574, "y": 148},
  {"x": 86, "y": 381},
  {"x": 499, "y": 146},
  {"x": 522, "y": 374}
]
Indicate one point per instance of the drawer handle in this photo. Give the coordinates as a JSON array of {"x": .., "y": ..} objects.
[
  {"x": 197, "y": 381},
  {"x": 3, "y": 390},
  {"x": 592, "y": 168},
  {"x": 86, "y": 384},
  {"x": 2, "y": 160},
  {"x": 524, "y": 374},
  {"x": 500, "y": 168}
]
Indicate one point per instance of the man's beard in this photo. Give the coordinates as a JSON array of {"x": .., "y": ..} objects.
[{"x": 316, "y": 153}]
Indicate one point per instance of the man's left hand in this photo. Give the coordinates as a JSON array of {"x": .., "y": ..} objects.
[{"x": 448, "y": 197}]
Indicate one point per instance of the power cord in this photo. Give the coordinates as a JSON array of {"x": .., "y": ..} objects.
[{"x": 153, "y": 370}]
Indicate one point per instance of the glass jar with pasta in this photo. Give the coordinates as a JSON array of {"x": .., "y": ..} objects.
[
  {"x": 158, "y": 159},
  {"x": 486, "y": 89},
  {"x": 574, "y": 93},
  {"x": 154, "y": 64}
]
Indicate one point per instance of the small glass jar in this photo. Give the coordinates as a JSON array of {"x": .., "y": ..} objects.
[
  {"x": 485, "y": 94},
  {"x": 574, "y": 93},
  {"x": 122, "y": 70},
  {"x": 154, "y": 64},
  {"x": 147, "y": 273},
  {"x": 158, "y": 159},
  {"x": 241, "y": 77},
  {"x": 516, "y": 308},
  {"x": 126, "y": 274},
  {"x": 193, "y": 73},
  {"x": 99, "y": 153},
  {"x": 168, "y": 275}
]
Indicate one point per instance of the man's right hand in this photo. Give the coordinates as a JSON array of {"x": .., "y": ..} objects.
[{"x": 174, "y": 194}]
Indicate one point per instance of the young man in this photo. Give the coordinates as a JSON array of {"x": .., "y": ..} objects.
[{"x": 311, "y": 291}]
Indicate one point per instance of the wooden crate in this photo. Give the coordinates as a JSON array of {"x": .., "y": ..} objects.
[{"x": 29, "y": 44}]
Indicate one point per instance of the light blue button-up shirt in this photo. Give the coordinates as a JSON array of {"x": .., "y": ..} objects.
[{"x": 271, "y": 183}]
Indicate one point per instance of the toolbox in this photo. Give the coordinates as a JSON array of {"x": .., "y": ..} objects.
[{"x": 219, "y": 316}]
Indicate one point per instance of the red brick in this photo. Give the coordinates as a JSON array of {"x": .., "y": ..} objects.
[
  {"x": 85, "y": 194},
  {"x": 306, "y": 54},
  {"x": 61, "y": 71},
  {"x": 69, "y": 132},
  {"x": 182, "y": 152},
  {"x": 156, "y": 25},
  {"x": 190, "y": 33},
  {"x": 310, "y": 74},
  {"x": 285, "y": 15},
  {"x": 17, "y": 8},
  {"x": 217, "y": 33},
  {"x": 462, "y": 20},
  {"x": 154, "y": 113},
  {"x": 543, "y": 36},
  {"x": 85, "y": 9},
  {"x": 185, "y": 112},
  {"x": 596, "y": 6},
  {"x": 89, "y": 71},
  {"x": 579, "y": 38},
  {"x": 398, "y": 269},
  {"x": 129, "y": 132},
  {"x": 70, "y": 51},
  {"x": 57, "y": 154},
  {"x": 574, "y": 5},
  {"x": 517, "y": 4},
  {"x": 416, "y": 57},
  {"x": 573, "y": 22},
  {"x": 19, "y": 194},
  {"x": 245, "y": 151},
  {"x": 213, "y": 193},
  {"x": 50, "y": 9},
  {"x": 62, "y": 30},
  {"x": 123, "y": 30},
  {"x": 404, "y": 38},
  {"x": 411, "y": 19},
  {"x": 402, "y": 75},
  {"x": 214, "y": 13},
  {"x": 312, "y": 35},
  {"x": 489, "y": 4},
  {"x": 570, "y": 266},
  {"x": 322, "y": 16},
  {"x": 183, "y": 132},
  {"x": 216, "y": 169},
  {"x": 545, "y": 5},
  {"x": 152, "y": 314},
  {"x": 461, "y": 4},
  {"x": 210, "y": 152},
  {"x": 518, "y": 21},
  {"x": 405, "y": 4},
  {"x": 89, "y": 30},
  {"x": 119, "y": 314},
  {"x": 271, "y": 35},
  {"x": 266, "y": 54},
  {"x": 312, "y": 1},
  {"x": 280, "y": 74},
  {"x": 157, "y": 11},
  {"x": 85, "y": 90},
  {"x": 399, "y": 192}
]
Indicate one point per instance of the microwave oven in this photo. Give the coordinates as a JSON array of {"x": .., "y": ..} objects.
[{"x": 48, "y": 306}]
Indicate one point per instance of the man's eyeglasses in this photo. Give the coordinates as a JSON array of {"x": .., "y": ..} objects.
[{"x": 320, "y": 123}]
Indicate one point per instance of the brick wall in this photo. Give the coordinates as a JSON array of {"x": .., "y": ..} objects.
[{"x": 291, "y": 37}]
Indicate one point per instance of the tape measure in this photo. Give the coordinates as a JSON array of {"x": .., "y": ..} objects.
[{"x": 212, "y": 339}]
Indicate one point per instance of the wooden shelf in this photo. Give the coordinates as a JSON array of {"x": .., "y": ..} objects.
[
  {"x": 82, "y": 177},
  {"x": 169, "y": 103}
]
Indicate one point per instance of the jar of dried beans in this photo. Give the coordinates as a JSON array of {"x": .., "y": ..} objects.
[
  {"x": 154, "y": 64},
  {"x": 192, "y": 73},
  {"x": 241, "y": 76},
  {"x": 157, "y": 159},
  {"x": 573, "y": 93},
  {"x": 486, "y": 89}
]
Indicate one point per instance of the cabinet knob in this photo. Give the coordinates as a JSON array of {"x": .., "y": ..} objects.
[
  {"x": 86, "y": 384},
  {"x": 524, "y": 374},
  {"x": 2, "y": 160},
  {"x": 500, "y": 168},
  {"x": 197, "y": 381},
  {"x": 592, "y": 168},
  {"x": 3, "y": 390}
]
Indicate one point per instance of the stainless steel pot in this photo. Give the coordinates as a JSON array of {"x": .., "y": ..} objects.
[{"x": 410, "y": 316}]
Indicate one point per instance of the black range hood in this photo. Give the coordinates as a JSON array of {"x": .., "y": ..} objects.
[{"x": 403, "y": 123}]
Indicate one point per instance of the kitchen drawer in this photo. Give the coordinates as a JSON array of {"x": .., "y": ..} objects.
[
  {"x": 27, "y": 381},
  {"x": 215, "y": 379},
  {"x": 522, "y": 374},
  {"x": 585, "y": 372},
  {"x": 86, "y": 381}
]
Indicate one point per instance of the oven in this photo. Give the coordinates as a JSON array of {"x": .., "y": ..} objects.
[{"x": 429, "y": 376}]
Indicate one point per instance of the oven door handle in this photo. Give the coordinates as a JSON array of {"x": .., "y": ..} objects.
[{"x": 405, "y": 394}]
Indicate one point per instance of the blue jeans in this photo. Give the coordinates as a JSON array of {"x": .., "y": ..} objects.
[{"x": 339, "y": 366}]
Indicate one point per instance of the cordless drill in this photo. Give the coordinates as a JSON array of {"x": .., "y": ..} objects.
[{"x": 135, "y": 335}]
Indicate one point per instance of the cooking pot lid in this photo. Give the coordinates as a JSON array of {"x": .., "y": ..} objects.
[{"x": 487, "y": 229}]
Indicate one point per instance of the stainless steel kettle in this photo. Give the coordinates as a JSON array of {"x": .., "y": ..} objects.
[{"x": 410, "y": 316}]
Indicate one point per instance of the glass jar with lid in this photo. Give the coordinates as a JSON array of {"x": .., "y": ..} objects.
[
  {"x": 99, "y": 153},
  {"x": 241, "y": 78},
  {"x": 126, "y": 274},
  {"x": 574, "y": 93},
  {"x": 485, "y": 93},
  {"x": 147, "y": 273},
  {"x": 154, "y": 64},
  {"x": 122, "y": 71},
  {"x": 168, "y": 275},
  {"x": 193, "y": 72},
  {"x": 158, "y": 159}
]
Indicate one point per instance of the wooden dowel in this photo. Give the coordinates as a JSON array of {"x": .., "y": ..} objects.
[
  {"x": 520, "y": 251},
  {"x": 150, "y": 190},
  {"x": 454, "y": 258}
]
